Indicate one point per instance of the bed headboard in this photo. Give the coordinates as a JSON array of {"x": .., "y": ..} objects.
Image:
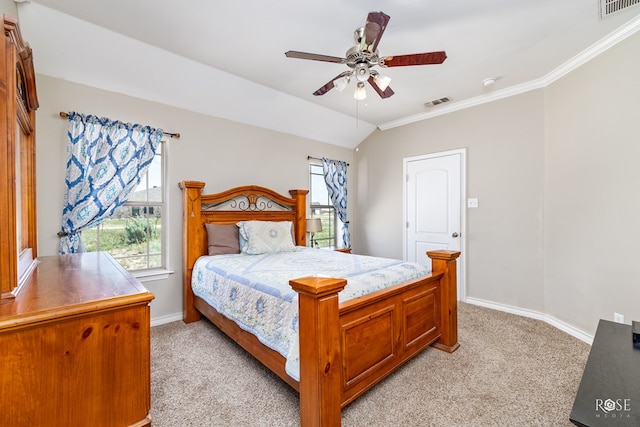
[{"x": 244, "y": 203}]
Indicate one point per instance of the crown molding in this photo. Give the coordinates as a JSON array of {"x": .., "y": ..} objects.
[
  {"x": 622, "y": 33},
  {"x": 583, "y": 57}
]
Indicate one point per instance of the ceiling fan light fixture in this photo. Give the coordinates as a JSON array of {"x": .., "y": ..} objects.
[
  {"x": 382, "y": 81},
  {"x": 341, "y": 83},
  {"x": 361, "y": 92},
  {"x": 363, "y": 57},
  {"x": 362, "y": 72}
]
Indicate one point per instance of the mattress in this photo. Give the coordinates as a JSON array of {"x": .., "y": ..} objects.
[{"x": 254, "y": 291}]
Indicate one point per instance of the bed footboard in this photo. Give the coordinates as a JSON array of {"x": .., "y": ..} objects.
[
  {"x": 395, "y": 324},
  {"x": 345, "y": 349},
  {"x": 320, "y": 354},
  {"x": 445, "y": 262}
]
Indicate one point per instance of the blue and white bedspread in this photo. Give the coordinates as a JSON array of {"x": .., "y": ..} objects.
[{"x": 254, "y": 291}]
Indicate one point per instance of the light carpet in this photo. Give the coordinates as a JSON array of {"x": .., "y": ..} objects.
[{"x": 508, "y": 371}]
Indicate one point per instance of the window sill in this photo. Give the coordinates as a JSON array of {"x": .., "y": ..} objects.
[{"x": 150, "y": 275}]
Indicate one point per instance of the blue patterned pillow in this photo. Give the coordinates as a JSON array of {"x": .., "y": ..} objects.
[{"x": 264, "y": 237}]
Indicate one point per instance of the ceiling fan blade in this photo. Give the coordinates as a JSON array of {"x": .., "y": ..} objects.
[
  {"x": 383, "y": 93},
  {"x": 373, "y": 30},
  {"x": 330, "y": 85},
  {"x": 314, "y": 57},
  {"x": 414, "y": 59}
]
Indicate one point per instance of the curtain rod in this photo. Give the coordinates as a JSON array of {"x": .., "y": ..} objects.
[
  {"x": 316, "y": 158},
  {"x": 172, "y": 135}
]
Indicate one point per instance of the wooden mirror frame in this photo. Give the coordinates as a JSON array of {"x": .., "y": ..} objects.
[{"x": 17, "y": 161}]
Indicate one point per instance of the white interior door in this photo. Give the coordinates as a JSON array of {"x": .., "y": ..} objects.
[{"x": 434, "y": 190}]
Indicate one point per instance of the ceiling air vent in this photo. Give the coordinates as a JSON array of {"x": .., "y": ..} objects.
[
  {"x": 609, "y": 7},
  {"x": 439, "y": 101}
]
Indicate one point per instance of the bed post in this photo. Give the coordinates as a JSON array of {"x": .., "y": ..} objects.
[
  {"x": 320, "y": 354},
  {"x": 300, "y": 223},
  {"x": 191, "y": 227},
  {"x": 445, "y": 262}
]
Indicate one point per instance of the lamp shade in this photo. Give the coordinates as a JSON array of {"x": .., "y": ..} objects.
[
  {"x": 341, "y": 83},
  {"x": 361, "y": 92},
  {"x": 314, "y": 225},
  {"x": 382, "y": 81}
]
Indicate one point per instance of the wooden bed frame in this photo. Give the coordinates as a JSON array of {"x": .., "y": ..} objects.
[{"x": 345, "y": 348}]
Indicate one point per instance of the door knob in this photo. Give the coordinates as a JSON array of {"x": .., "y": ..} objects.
[{"x": 455, "y": 234}]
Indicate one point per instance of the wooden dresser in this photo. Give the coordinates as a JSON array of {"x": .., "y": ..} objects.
[{"x": 75, "y": 346}]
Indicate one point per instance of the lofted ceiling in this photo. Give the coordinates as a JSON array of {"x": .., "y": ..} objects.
[{"x": 226, "y": 59}]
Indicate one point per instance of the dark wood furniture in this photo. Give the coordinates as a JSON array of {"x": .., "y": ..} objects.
[
  {"x": 75, "y": 346},
  {"x": 345, "y": 348},
  {"x": 609, "y": 392}
]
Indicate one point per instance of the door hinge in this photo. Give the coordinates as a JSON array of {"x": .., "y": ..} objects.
[{"x": 407, "y": 224}]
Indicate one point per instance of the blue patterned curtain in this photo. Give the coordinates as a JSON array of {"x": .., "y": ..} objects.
[
  {"x": 335, "y": 176},
  {"x": 106, "y": 160}
]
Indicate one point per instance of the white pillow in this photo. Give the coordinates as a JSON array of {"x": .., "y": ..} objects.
[{"x": 264, "y": 237}]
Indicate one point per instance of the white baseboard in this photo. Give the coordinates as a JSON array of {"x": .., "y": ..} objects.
[
  {"x": 157, "y": 321},
  {"x": 565, "y": 327}
]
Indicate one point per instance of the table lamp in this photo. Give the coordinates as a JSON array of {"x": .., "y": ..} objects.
[{"x": 314, "y": 225}]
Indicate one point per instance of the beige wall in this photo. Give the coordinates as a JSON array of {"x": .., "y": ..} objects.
[
  {"x": 221, "y": 153},
  {"x": 9, "y": 7},
  {"x": 557, "y": 178},
  {"x": 592, "y": 203},
  {"x": 505, "y": 168}
]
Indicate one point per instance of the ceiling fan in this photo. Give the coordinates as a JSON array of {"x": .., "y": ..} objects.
[{"x": 364, "y": 55}]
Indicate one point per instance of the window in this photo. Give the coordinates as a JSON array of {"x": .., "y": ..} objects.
[
  {"x": 134, "y": 233},
  {"x": 320, "y": 207}
]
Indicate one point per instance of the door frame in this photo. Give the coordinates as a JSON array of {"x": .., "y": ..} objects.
[{"x": 462, "y": 271}]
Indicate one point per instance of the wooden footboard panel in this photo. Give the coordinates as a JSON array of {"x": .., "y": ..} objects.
[
  {"x": 379, "y": 335},
  {"x": 345, "y": 349}
]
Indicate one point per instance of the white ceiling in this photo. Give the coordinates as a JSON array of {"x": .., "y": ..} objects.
[{"x": 227, "y": 59}]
